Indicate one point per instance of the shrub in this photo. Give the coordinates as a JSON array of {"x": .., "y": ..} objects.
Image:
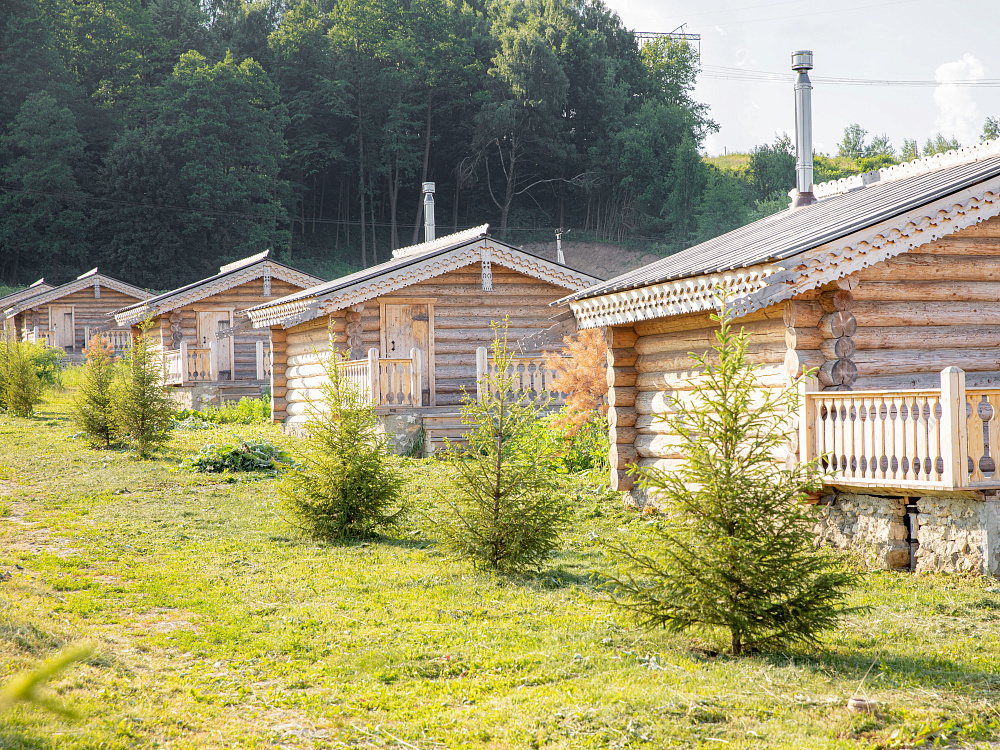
[
  {"x": 93, "y": 406},
  {"x": 504, "y": 511},
  {"x": 142, "y": 407},
  {"x": 244, "y": 455},
  {"x": 577, "y": 446},
  {"x": 20, "y": 386},
  {"x": 48, "y": 363},
  {"x": 347, "y": 483},
  {"x": 247, "y": 411},
  {"x": 734, "y": 550}
]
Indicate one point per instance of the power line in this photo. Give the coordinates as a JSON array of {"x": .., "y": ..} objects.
[
  {"x": 718, "y": 72},
  {"x": 814, "y": 13}
]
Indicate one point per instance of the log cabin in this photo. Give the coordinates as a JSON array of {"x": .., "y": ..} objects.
[
  {"x": 884, "y": 286},
  {"x": 416, "y": 330},
  {"x": 67, "y": 316},
  {"x": 9, "y": 300},
  {"x": 210, "y": 353}
]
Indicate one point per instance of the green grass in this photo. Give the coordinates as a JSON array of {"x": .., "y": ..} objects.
[{"x": 217, "y": 626}]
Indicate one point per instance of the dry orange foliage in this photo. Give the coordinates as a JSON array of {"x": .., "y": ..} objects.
[
  {"x": 581, "y": 374},
  {"x": 99, "y": 342}
]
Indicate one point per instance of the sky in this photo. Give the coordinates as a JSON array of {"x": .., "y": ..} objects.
[{"x": 900, "y": 40}]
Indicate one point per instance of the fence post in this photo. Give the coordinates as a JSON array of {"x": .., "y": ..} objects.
[
  {"x": 260, "y": 359},
  {"x": 416, "y": 378},
  {"x": 481, "y": 367},
  {"x": 373, "y": 374},
  {"x": 807, "y": 419},
  {"x": 35, "y": 340},
  {"x": 184, "y": 362},
  {"x": 954, "y": 428},
  {"x": 213, "y": 360}
]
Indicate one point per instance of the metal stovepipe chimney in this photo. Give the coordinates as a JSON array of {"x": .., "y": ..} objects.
[{"x": 802, "y": 63}]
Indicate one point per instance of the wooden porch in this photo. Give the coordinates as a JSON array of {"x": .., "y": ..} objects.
[
  {"x": 939, "y": 440},
  {"x": 189, "y": 365},
  {"x": 396, "y": 383}
]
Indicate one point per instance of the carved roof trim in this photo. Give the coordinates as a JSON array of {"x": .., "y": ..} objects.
[
  {"x": 85, "y": 282},
  {"x": 403, "y": 272},
  {"x": 213, "y": 285},
  {"x": 759, "y": 286}
]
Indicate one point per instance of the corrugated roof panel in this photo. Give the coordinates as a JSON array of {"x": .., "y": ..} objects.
[{"x": 789, "y": 233}]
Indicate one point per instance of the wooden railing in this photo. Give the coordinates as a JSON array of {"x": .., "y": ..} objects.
[
  {"x": 388, "y": 381},
  {"x": 532, "y": 377},
  {"x": 190, "y": 365},
  {"x": 41, "y": 336},
  {"x": 120, "y": 340},
  {"x": 947, "y": 438},
  {"x": 264, "y": 361}
]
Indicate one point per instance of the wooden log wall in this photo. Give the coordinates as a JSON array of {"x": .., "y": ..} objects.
[
  {"x": 300, "y": 373},
  {"x": 664, "y": 370},
  {"x": 279, "y": 360},
  {"x": 181, "y": 324},
  {"x": 88, "y": 310},
  {"x": 936, "y": 306},
  {"x": 462, "y": 316},
  {"x": 622, "y": 414}
]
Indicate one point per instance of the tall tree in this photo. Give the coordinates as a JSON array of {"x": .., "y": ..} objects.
[
  {"x": 44, "y": 218},
  {"x": 991, "y": 129},
  {"x": 853, "y": 143},
  {"x": 216, "y": 134}
]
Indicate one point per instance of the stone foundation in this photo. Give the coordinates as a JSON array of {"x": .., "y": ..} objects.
[
  {"x": 196, "y": 397},
  {"x": 872, "y": 525},
  {"x": 404, "y": 432},
  {"x": 952, "y": 535}
]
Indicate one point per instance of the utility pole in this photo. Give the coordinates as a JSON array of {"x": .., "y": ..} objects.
[{"x": 559, "y": 253}]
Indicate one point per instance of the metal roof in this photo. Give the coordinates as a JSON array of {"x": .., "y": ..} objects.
[
  {"x": 790, "y": 233},
  {"x": 224, "y": 271},
  {"x": 404, "y": 257}
]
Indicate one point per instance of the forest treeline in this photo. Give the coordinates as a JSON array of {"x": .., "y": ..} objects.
[{"x": 158, "y": 139}]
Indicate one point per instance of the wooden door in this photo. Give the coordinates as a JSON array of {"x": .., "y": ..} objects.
[
  {"x": 61, "y": 325},
  {"x": 210, "y": 324},
  {"x": 406, "y": 326}
]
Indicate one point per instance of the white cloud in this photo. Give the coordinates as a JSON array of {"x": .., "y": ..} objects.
[{"x": 957, "y": 112}]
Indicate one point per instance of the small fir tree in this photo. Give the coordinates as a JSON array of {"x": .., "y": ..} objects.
[
  {"x": 735, "y": 548},
  {"x": 504, "y": 511},
  {"x": 93, "y": 406},
  {"x": 20, "y": 386},
  {"x": 347, "y": 483},
  {"x": 142, "y": 408}
]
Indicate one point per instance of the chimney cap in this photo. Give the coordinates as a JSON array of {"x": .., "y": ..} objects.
[
  {"x": 427, "y": 187},
  {"x": 802, "y": 59}
]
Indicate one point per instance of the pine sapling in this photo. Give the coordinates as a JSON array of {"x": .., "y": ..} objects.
[
  {"x": 142, "y": 407},
  {"x": 504, "y": 510},
  {"x": 20, "y": 386},
  {"x": 93, "y": 406},
  {"x": 734, "y": 550},
  {"x": 347, "y": 483}
]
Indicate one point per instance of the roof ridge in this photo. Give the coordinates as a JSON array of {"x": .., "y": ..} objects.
[
  {"x": 439, "y": 242},
  {"x": 924, "y": 165}
]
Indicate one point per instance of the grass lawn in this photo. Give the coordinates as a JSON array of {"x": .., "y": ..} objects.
[{"x": 218, "y": 626}]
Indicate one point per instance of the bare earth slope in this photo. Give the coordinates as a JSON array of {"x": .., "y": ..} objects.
[{"x": 597, "y": 258}]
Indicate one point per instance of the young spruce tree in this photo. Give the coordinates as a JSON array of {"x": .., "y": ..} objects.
[
  {"x": 504, "y": 510},
  {"x": 347, "y": 483},
  {"x": 735, "y": 548},
  {"x": 141, "y": 405},
  {"x": 93, "y": 406},
  {"x": 20, "y": 386}
]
